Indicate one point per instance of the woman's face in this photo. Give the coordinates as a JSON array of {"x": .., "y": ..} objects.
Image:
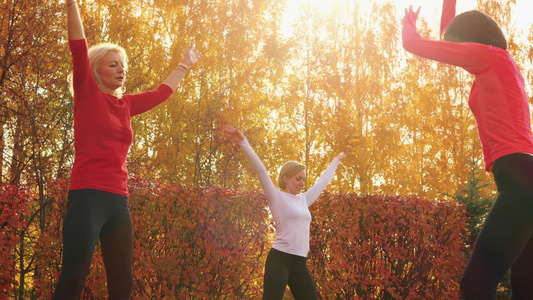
[
  {"x": 295, "y": 183},
  {"x": 112, "y": 73}
]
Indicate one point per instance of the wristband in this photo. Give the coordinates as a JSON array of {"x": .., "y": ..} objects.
[{"x": 184, "y": 66}]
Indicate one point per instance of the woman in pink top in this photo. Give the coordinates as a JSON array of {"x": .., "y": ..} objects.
[
  {"x": 500, "y": 106},
  {"x": 286, "y": 261},
  {"x": 97, "y": 206}
]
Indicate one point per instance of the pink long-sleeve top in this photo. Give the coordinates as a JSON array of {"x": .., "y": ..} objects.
[
  {"x": 291, "y": 212},
  {"x": 102, "y": 127},
  {"x": 497, "y": 98}
]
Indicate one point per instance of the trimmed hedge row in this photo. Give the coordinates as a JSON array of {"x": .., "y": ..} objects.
[
  {"x": 383, "y": 247},
  {"x": 210, "y": 243}
]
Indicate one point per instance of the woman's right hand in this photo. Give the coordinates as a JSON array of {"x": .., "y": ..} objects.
[
  {"x": 233, "y": 133},
  {"x": 341, "y": 156}
]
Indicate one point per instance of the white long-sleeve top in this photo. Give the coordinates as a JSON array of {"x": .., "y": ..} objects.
[{"x": 291, "y": 212}]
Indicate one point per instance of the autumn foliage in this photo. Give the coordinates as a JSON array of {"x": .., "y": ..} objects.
[
  {"x": 332, "y": 78},
  {"x": 384, "y": 247},
  {"x": 211, "y": 243},
  {"x": 14, "y": 208}
]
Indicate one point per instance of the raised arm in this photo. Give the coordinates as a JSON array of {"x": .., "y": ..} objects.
[
  {"x": 190, "y": 57},
  {"x": 314, "y": 192},
  {"x": 74, "y": 25},
  {"x": 237, "y": 136},
  {"x": 469, "y": 56}
]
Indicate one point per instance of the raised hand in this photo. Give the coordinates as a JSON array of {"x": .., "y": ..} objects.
[
  {"x": 233, "y": 133},
  {"x": 341, "y": 156},
  {"x": 411, "y": 16},
  {"x": 191, "y": 56}
]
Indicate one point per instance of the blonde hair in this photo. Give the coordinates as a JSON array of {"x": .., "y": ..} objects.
[
  {"x": 288, "y": 169},
  {"x": 96, "y": 55}
]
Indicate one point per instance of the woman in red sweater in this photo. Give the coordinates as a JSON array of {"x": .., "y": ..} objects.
[
  {"x": 500, "y": 106},
  {"x": 97, "y": 206}
]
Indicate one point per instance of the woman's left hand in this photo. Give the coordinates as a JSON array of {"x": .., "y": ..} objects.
[{"x": 191, "y": 56}]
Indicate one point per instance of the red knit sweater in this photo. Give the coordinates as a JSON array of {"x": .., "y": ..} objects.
[{"x": 102, "y": 128}]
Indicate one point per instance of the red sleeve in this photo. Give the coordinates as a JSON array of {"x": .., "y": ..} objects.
[
  {"x": 82, "y": 80},
  {"x": 448, "y": 13},
  {"x": 473, "y": 57},
  {"x": 143, "y": 102}
]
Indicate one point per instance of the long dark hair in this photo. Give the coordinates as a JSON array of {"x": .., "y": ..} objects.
[{"x": 475, "y": 26}]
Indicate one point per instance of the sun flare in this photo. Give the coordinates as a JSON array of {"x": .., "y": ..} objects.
[
  {"x": 295, "y": 7},
  {"x": 430, "y": 10}
]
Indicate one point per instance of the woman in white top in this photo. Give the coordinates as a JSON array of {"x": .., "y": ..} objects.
[{"x": 286, "y": 261}]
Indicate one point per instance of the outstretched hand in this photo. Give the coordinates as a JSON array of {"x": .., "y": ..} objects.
[
  {"x": 341, "y": 156},
  {"x": 411, "y": 16},
  {"x": 191, "y": 56},
  {"x": 233, "y": 133}
]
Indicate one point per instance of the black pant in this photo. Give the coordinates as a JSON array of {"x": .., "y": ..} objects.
[
  {"x": 92, "y": 215},
  {"x": 505, "y": 240},
  {"x": 282, "y": 269}
]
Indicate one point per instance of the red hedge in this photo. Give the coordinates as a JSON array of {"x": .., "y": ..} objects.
[
  {"x": 385, "y": 247},
  {"x": 198, "y": 243}
]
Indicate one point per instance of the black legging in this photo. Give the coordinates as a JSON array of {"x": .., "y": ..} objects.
[
  {"x": 505, "y": 240},
  {"x": 282, "y": 269},
  {"x": 93, "y": 214}
]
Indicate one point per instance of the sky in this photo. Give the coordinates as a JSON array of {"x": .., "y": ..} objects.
[{"x": 430, "y": 9}]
